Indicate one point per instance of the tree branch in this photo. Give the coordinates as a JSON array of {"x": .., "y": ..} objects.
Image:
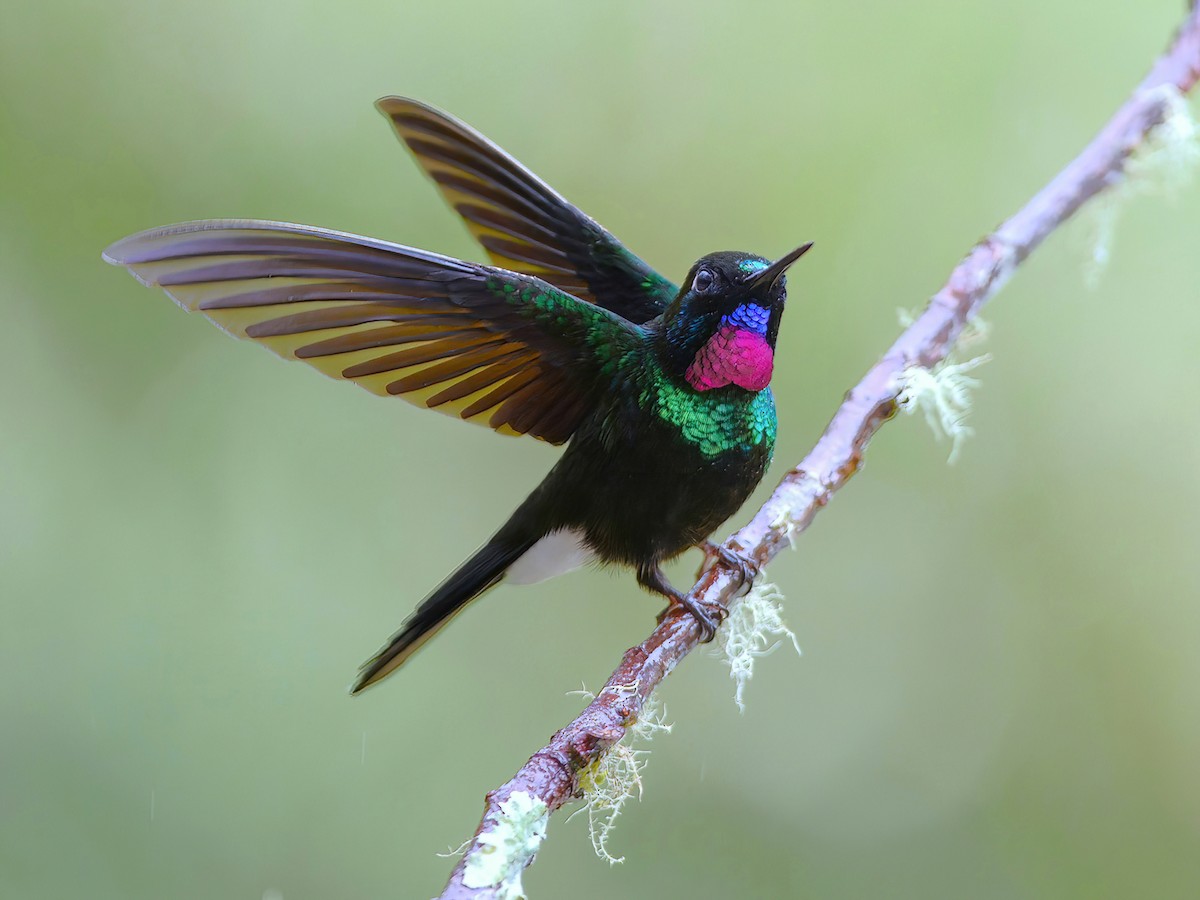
[{"x": 551, "y": 775}]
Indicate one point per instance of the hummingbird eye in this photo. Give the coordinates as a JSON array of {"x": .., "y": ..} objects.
[{"x": 703, "y": 281}]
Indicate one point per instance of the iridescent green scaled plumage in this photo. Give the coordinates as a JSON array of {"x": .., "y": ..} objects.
[
  {"x": 659, "y": 392},
  {"x": 715, "y": 425}
]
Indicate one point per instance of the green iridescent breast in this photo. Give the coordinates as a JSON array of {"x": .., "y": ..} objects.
[{"x": 716, "y": 422}]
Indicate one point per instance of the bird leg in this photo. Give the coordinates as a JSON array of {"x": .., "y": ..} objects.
[
  {"x": 731, "y": 559},
  {"x": 652, "y": 578}
]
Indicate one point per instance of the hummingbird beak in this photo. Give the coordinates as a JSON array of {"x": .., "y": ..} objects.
[{"x": 766, "y": 278}]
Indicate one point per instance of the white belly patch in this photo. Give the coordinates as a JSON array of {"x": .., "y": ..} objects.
[{"x": 556, "y": 553}]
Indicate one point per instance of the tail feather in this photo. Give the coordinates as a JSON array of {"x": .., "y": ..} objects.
[{"x": 472, "y": 578}]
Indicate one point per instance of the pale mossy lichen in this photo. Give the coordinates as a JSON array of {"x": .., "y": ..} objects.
[
  {"x": 943, "y": 394},
  {"x": 753, "y": 628},
  {"x": 614, "y": 779},
  {"x": 1163, "y": 164},
  {"x": 508, "y": 846},
  {"x": 784, "y": 523}
]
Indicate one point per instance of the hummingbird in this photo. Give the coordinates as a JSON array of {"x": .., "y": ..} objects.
[{"x": 659, "y": 391}]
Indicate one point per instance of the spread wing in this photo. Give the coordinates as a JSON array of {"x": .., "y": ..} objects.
[
  {"x": 490, "y": 346},
  {"x": 523, "y": 223}
]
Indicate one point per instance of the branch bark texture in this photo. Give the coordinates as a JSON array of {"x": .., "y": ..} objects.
[{"x": 551, "y": 774}]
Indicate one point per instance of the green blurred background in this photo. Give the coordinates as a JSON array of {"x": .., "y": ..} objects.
[{"x": 199, "y": 543}]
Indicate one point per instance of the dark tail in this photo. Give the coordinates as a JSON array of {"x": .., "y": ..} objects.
[{"x": 472, "y": 578}]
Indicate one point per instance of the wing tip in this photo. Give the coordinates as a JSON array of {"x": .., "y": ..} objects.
[
  {"x": 380, "y": 667},
  {"x": 393, "y": 105},
  {"x": 137, "y": 248},
  {"x": 115, "y": 254}
]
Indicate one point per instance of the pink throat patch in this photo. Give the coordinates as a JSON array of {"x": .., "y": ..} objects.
[{"x": 732, "y": 356}]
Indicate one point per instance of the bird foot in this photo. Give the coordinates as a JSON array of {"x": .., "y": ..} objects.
[
  {"x": 745, "y": 567},
  {"x": 708, "y": 616}
]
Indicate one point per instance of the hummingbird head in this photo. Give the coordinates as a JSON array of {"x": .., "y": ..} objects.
[{"x": 721, "y": 328}]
